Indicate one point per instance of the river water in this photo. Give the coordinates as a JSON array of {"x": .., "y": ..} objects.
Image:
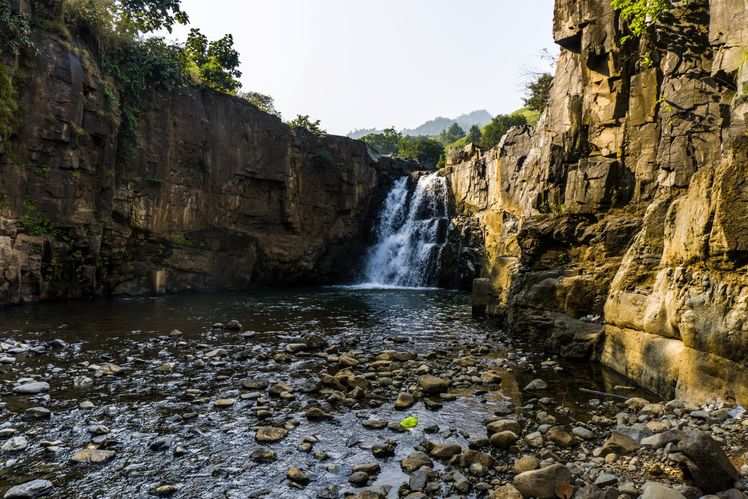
[{"x": 176, "y": 362}]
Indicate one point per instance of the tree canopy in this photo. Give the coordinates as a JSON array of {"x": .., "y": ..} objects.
[
  {"x": 425, "y": 150},
  {"x": 215, "y": 64},
  {"x": 303, "y": 121},
  {"x": 474, "y": 135},
  {"x": 494, "y": 131},
  {"x": 386, "y": 142},
  {"x": 451, "y": 134},
  {"x": 261, "y": 101},
  {"x": 538, "y": 92}
]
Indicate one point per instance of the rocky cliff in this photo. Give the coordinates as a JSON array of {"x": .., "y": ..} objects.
[
  {"x": 620, "y": 224},
  {"x": 210, "y": 193}
]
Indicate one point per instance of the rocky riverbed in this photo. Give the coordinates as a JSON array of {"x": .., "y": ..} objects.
[{"x": 332, "y": 393}]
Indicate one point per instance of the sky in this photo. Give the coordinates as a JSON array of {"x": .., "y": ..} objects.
[{"x": 373, "y": 64}]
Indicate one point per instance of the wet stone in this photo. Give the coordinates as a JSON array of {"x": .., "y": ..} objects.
[
  {"x": 404, "y": 401},
  {"x": 262, "y": 455},
  {"x": 32, "y": 388},
  {"x": 29, "y": 490},
  {"x": 298, "y": 476},
  {"x": 270, "y": 434},
  {"x": 92, "y": 456},
  {"x": 414, "y": 461}
]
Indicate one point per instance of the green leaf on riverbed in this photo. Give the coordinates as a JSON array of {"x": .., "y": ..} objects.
[{"x": 409, "y": 423}]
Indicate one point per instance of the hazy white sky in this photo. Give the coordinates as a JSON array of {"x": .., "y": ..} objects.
[{"x": 364, "y": 64}]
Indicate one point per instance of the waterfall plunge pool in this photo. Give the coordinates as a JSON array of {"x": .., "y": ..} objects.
[{"x": 157, "y": 410}]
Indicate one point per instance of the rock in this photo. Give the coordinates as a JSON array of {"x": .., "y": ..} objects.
[
  {"x": 618, "y": 443},
  {"x": 316, "y": 414},
  {"x": 536, "y": 385},
  {"x": 526, "y": 463},
  {"x": 660, "y": 440},
  {"x": 92, "y": 456},
  {"x": 606, "y": 480},
  {"x": 503, "y": 439},
  {"x": 420, "y": 478},
  {"x": 653, "y": 490},
  {"x": 38, "y": 413},
  {"x": 534, "y": 439},
  {"x": 445, "y": 451},
  {"x": 583, "y": 433},
  {"x": 15, "y": 444},
  {"x": 262, "y": 455},
  {"x": 432, "y": 385},
  {"x": 298, "y": 476},
  {"x": 386, "y": 449},
  {"x": 507, "y": 491},
  {"x": 270, "y": 434},
  {"x": 32, "y": 388},
  {"x": 233, "y": 325},
  {"x": 545, "y": 483},
  {"x": 370, "y": 469},
  {"x": 165, "y": 490},
  {"x": 503, "y": 425},
  {"x": 415, "y": 460},
  {"x": 29, "y": 490},
  {"x": 224, "y": 403},
  {"x": 560, "y": 437},
  {"x": 707, "y": 465},
  {"x": 358, "y": 478},
  {"x": 404, "y": 401}
]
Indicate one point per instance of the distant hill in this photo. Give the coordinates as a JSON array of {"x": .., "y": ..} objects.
[{"x": 435, "y": 126}]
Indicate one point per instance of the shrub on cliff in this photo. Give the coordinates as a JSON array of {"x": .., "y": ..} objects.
[
  {"x": 639, "y": 15},
  {"x": 214, "y": 64},
  {"x": 15, "y": 30},
  {"x": 538, "y": 92},
  {"x": 306, "y": 123},
  {"x": 494, "y": 131},
  {"x": 262, "y": 102},
  {"x": 8, "y": 104}
]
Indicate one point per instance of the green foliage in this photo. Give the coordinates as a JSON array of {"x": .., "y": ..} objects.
[
  {"x": 639, "y": 15},
  {"x": 147, "y": 16},
  {"x": 474, "y": 135},
  {"x": 34, "y": 221},
  {"x": 108, "y": 20},
  {"x": 139, "y": 67},
  {"x": 422, "y": 149},
  {"x": 494, "y": 131},
  {"x": 8, "y": 103},
  {"x": 538, "y": 92},
  {"x": 451, "y": 134},
  {"x": 261, "y": 101},
  {"x": 215, "y": 63},
  {"x": 530, "y": 115},
  {"x": 306, "y": 123},
  {"x": 386, "y": 142},
  {"x": 15, "y": 31}
]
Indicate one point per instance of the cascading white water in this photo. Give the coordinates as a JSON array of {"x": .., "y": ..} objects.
[{"x": 411, "y": 233}]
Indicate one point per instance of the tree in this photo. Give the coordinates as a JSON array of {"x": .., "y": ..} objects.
[
  {"x": 639, "y": 15},
  {"x": 214, "y": 64},
  {"x": 386, "y": 142},
  {"x": 422, "y": 149},
  {"x": 451, "y": 134},
  {"x": 474, "y": 135},
  {"x": 306, "y": 123},
  {"x": 538, "y": 92},
  {"x": 494, "y": 131},
  {"x": 262, "y": 102},
  {"x": 147, "y": 16}
]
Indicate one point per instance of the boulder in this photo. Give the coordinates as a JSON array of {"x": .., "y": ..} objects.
[
  {"x": 432, "y": 385},
  {"x": 707, "y": 465},
  {"x": 545, "y": 483},
  {"x": 29, "y": 490}
]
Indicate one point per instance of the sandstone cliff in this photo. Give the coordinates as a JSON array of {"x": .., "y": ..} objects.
[
  {"x": 624, "y": 211},
  {"x": 210, "y": 194}
]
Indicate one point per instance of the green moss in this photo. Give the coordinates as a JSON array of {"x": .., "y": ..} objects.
[
  {"x": 8, "y": 103},
  {"x": 34, "y": 221}
]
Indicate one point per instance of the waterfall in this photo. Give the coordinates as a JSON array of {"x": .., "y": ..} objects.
[{"x": 411, "y": 232}]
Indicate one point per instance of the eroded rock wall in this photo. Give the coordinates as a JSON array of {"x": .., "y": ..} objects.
[
  {"x": 210, "y": 193},
  {"x": 623, "y": 211}
]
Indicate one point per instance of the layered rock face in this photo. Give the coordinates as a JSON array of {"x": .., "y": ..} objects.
[
  {"x": 210, "y": 193},
  {"x": 624, "y": 211}
]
